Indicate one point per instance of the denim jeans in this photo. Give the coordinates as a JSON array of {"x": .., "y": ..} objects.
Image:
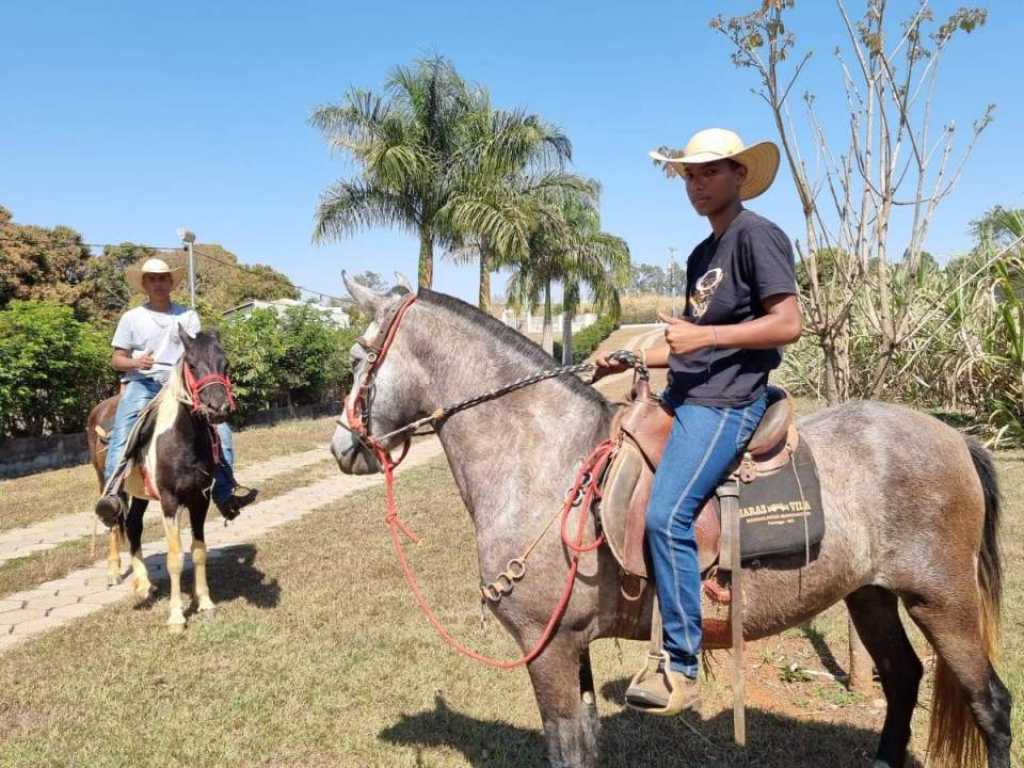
[
  {"x": 136, "y": 395},
  {"x": 703, "y": 442}
]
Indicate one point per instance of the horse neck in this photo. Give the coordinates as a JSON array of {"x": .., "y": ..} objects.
[
  {"x": 513, "y": 457},
  {"x": 175, "y": 406}
]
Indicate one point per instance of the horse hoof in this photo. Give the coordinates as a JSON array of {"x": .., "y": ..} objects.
[
  {"x": 144, "y": 593},
  {"x": 113, "y": 579}
]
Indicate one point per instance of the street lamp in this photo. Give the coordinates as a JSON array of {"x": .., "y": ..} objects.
[{"x": 188, "y": 237}]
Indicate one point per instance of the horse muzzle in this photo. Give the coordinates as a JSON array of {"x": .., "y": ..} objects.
[{"x": 353, "y": 456}]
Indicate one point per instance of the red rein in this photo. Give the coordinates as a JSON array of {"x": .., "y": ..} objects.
[{"x": 587, "y": 481}]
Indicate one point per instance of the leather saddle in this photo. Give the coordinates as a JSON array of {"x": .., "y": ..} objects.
[{"x": 639, "y": 432}]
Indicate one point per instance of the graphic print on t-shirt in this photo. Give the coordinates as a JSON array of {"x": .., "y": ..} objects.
[{"x": 704, "y": 290}]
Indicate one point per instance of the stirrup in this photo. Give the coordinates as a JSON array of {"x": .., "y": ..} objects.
[{"x": 659, "y": 690}]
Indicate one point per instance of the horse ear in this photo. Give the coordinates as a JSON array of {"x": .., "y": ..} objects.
[
  {"x": 364, "y": 297},
  {"x": 404, "y": 282}
]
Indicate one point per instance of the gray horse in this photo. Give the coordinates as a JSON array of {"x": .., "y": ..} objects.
[{"x": 911, "y": 514}]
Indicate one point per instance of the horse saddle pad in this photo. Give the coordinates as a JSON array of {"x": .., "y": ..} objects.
[
  {"x": 780, "y": 496},
  {"x": 137, "y": 477}
]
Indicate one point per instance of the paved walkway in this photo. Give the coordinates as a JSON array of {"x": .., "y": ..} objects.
[
  {"x": 55, "y": 603},
  {"x": 19, "y": 542}
]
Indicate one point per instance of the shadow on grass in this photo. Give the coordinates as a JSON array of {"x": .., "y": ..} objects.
[
  {"x": 639, "y": 741},
  {"x": 231, "y": 573},
  {"x": 825, "y": 655}
]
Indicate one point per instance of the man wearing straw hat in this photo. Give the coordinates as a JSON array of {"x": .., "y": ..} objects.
[
  {"x": 741, "y": 308},
  {"x": 147, "y": 346}
]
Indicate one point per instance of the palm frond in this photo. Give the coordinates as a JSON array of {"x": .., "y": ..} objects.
[{"x": 350, "y": 206}]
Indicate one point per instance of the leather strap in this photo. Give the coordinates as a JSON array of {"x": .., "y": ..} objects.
[{"x": 729, "y": 498}]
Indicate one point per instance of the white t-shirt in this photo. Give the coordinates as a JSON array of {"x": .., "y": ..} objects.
[{"x": 142, "y": 330}]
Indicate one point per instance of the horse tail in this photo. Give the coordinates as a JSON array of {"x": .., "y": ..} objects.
[{"x": 954, "y": 738}]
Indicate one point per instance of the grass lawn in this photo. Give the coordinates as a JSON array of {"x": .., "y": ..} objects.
[
  {"x": 318, "y": 657},
  {"x": 28, "y": 500}
]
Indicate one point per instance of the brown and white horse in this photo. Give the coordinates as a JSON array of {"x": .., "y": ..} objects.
[{"x": 175, "y": 467}]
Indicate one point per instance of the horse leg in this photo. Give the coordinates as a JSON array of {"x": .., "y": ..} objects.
[
  {"x": 875, "y": 613},
  {"x": 144, "y": 588},
  {"x": 197, "y": 515},
  {"x": 564, "y": 687},
  {"x": 175, "y": 559},
  {"x": 968, "y": 691},
  {"x": 114, "y": 555}
]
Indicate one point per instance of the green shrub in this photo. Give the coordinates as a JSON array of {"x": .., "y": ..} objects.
[
  {"x": 585, "y": 341},
  {"x": 53, "y": 369},
  {"x": 297, "y": 358}
]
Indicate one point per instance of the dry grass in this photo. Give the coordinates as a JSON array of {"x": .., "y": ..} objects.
[
  {"x": 318, "y": 658},
  {"x": 28, "y": 500},
  {"x": 26, "y": 572}
]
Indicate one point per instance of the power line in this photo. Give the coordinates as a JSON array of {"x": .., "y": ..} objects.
[{"x": 163, "y": 248}]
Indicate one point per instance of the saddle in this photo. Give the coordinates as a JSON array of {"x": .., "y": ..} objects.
[{"x": 640, "y": 430}]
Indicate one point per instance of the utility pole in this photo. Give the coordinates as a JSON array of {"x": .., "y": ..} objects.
[
  {"x": 672, "y": 250},
  {"x": 188, "y": 237}
]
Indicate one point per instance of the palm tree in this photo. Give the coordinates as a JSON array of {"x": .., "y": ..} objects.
[
  {"x": 407, "y": 145},
  {"x": 594, "y": 259},
  {"x": 565, "y": 244},
  {"x": 509, "y": 158}
]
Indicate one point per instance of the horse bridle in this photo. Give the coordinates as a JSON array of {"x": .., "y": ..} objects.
[
  {"x": 195, "y": 386},
  {"x": 359, "y": 402}
]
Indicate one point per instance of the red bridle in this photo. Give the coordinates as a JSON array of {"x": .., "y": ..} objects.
[
  {"x": 195, "y": 386},
  {"x": 357, "y": 406}
]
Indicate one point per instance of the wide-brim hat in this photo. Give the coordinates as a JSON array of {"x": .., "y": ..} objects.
[
  {"x": 134, "y": 273},
  {"x": 761, "y": 159}
]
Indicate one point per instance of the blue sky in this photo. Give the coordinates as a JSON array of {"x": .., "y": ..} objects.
[{"x": 128, "y": 120}]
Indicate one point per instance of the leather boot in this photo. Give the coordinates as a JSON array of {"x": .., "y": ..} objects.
[
  {"x": 232, "y": 505},
  {"x": 111, "y": 509}
]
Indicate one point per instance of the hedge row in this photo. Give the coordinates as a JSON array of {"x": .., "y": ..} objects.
[
  {"x": 54, "y": 368},
  {"x": 585, "y": 341}
]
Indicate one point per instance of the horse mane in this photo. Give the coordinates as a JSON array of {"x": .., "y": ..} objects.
[{"x": 511, "y": 340}]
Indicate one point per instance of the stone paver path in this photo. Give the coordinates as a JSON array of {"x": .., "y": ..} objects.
[
  {"x": 19, "y": 542},
  {"x": 55, "y": 603}
]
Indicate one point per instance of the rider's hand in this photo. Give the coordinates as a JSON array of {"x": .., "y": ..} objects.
[
  {"x": 684, "y": 337},
  {"x": 606, "y": 367},
  {"x": 145, "y": 362}
]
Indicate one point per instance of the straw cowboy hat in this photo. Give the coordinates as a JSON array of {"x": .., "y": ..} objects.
[
  {"x": 134, "y": 273},
  {"x": 761, "y": 159}
]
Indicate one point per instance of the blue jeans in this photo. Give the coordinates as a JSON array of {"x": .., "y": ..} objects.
[
  {"x": 704, "y": 442},
  {"x": 137, "y": 393}
]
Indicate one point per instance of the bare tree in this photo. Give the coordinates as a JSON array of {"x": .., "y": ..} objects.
[{"x": 888, "y": 162}]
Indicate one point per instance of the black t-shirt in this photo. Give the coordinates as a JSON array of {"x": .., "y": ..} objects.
[{"x": 726, "y": 282}]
